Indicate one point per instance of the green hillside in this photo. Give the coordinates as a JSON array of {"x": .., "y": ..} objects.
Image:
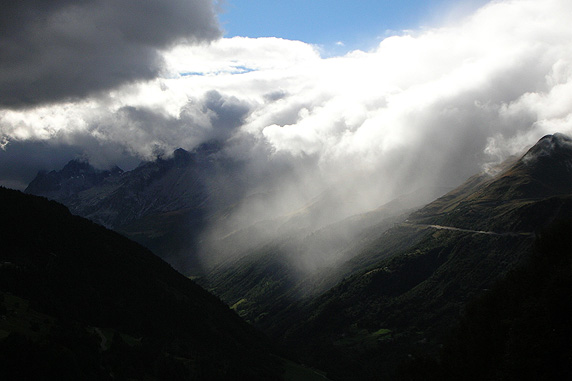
[{"x": 519, "y": 329}]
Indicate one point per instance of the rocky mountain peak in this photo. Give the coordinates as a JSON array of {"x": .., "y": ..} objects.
[
  {"x": 77, "y": 167},
  {"x": 547, "y": 166},
  {"x": 182, "y": 157},
  {"x": 549, "y": 146},
  {"x": 75, "y": 176}
]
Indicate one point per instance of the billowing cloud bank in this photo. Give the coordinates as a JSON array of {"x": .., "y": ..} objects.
[{"x": 426, "y": 108}]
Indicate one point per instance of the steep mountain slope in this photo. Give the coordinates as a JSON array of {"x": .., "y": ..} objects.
[
  {"x": 271, "y": 277},
  {"x": 81, "y": 302},
  {"x": 402, "y": 298}
]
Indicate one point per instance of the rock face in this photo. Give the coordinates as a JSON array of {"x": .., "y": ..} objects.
[
  {"x": 75, "y": 177},
  {"x": 115, "y": 198}
]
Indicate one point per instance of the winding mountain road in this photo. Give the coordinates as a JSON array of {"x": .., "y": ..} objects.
[
  {"x": 103, "y": 344},
  {"x": 441, "y": 227}
]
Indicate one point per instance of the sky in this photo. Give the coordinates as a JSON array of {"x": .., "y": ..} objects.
[
  {"x": 421, "y": 95},
  {"x": 336, "y": 26}
]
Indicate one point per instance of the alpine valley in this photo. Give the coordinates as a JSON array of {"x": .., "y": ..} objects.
[{"x": 475, "y": 284}]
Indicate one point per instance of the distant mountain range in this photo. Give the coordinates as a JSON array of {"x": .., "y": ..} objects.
[
  {"x": 368, "y": 296},
  {"x": 162, "y": 204},
  {"x": 168, "y": 204}
]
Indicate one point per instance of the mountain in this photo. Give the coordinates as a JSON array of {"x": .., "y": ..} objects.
[
  {"x": 79, "y": 301},
  {"x": 162, "y": 204},
  {"x": 543, "y": 172},
  {"x": 168, "y": 204},
  {"x": 268, "y": 278},
  {"x": 76, "y": 176},
  {"x": 364, "y": 296},
  {"x": 404, "y": 290}
]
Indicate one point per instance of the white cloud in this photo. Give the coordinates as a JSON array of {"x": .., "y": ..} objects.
[{"x": 238, "y": 55}]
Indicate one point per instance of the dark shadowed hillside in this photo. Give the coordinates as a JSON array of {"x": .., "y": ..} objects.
[
  {"x": 520, "y": 329},
  {"x": 79, "y": 301}
]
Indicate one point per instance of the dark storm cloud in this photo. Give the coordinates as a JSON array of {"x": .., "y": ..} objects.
[
  {"x": 60, "y": 50},
  {"x": 148, "y": 132},
  {"x": 228, "y": 112}
]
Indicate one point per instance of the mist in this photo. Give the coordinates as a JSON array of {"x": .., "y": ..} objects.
[
  {"x": 323, "y": 139},
  {"x": 426, "y": 110}
]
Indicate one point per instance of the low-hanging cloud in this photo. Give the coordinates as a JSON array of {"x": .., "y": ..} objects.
[
  {"x": 425, "y": 108},
  {"x": 64, "y": 50}
]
